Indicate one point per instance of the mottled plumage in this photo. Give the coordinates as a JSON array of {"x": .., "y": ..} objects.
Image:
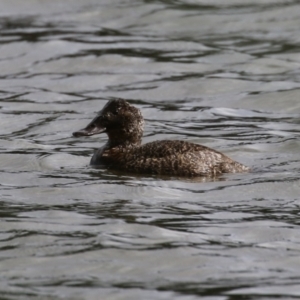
[{"x": 123, "y": 124}]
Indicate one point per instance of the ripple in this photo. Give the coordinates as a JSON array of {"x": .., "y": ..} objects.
[{"x": 221, "y": 74}]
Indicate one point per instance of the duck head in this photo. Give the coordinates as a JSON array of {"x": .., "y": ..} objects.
[{"x": 122, "y": 122}]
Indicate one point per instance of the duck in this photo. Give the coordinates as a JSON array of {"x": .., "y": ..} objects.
[{"x": 123, "y": 123}]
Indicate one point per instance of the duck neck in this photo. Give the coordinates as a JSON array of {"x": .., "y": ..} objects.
[{"x": 122, "y": 143}]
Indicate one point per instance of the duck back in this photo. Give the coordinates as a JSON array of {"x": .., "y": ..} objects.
[{"x": 167, "y": 157}]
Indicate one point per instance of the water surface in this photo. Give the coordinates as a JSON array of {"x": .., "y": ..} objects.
[{"x": 221, "y": 73}]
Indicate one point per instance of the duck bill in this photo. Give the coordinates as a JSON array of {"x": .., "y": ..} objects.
[{"x": 92, "y": 129}]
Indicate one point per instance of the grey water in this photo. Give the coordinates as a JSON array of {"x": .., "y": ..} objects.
[{"x": 225, "y": 74}]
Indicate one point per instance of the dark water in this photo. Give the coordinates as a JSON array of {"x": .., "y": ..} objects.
[{"x": 225, "y": 74}]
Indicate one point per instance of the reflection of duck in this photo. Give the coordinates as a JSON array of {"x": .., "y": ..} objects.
[{"x": 123, "y": 123}]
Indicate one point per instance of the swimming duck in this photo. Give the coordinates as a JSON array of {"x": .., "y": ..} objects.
[{"x": 123, "y": 123}]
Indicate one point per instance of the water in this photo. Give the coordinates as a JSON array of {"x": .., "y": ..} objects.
[{"x": 221, "y": 73}]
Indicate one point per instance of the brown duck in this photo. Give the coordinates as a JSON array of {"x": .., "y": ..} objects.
[{"x": 123, "y": 123}]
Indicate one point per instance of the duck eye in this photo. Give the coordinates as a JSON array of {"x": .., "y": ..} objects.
[{"x": 109, "y": 116}]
